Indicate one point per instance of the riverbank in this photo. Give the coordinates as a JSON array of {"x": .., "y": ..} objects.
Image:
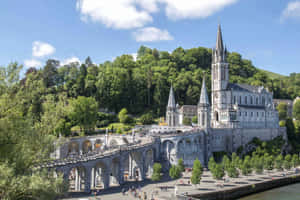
[
  {"x": 277, "y": 180},
  {"x": 208, "y": 189}
]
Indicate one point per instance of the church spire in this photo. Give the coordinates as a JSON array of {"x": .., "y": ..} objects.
[
  {"x": 219, "y": 45},
  {"x": 203, "y": 96},
  {"x": 171, "y": 102}
]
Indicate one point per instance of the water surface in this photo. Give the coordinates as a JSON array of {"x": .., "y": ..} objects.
[{"x": 290, "y": 192}]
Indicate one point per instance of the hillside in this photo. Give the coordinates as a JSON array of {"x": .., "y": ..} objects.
[{"x": 273, "y": 75}]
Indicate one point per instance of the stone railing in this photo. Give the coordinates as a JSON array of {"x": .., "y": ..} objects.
[{"x": 97, "y": 155}]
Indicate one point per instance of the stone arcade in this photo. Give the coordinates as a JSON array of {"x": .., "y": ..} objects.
[{"x": 238, "y": 113}]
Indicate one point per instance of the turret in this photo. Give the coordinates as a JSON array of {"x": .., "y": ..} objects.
[
  {"x": 172, "y": 115},
  {"x": 203, "y": 108}
]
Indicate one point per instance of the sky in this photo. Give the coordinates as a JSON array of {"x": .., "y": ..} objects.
[{"x": 264, "y": 31}]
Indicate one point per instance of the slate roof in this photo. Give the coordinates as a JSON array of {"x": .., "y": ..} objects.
[{"x": 244, "y": 87}]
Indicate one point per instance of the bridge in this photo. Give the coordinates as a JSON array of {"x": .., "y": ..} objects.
[{"x": 111, "y": 166}]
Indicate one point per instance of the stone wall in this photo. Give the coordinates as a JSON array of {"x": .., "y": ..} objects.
[{"x": 238, "y": 192}]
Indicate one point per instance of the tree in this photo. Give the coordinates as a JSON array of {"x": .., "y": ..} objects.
[
  {"x": 287, "y": 162},
  {"x": 84, "y": 112},
  {"x": 174, "y": 172},
  {"x": 295, "y": 160},
  {"x": 123, "y": 116},
  {"x": 278, "y": 162},
  {"x": 282, "y": 111},
  {"x": 218, "y": 172},
  {"x": 225, "y": 162},
  {"x": 195, "y": 119},
  {"x": 50, "y": 74},
  {"x": 258, "y": 164},
  {"x": 296, "y": 110},
  {"x": 246, "y": 166},
  {"x": 197, "y": 172},
  {"x": 146, "y": 119},
  {"x": 187, "y": 121},
  {"x": 156, "y": 176},
  {"x": 268, "y": 162},
  {"x": 211, "y": 163},
  {"x": 232, "y": 171},
  {"x": 181, "y": 165}
]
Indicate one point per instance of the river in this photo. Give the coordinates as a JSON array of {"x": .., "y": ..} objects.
[{"x": 290, "y": 192}]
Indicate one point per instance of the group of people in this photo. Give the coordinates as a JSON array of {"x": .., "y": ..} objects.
[{"x": 136, "y": 193}]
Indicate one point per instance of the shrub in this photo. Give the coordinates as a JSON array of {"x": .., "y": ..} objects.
[
  {"x": 156, "y": 176},
  {"x": 174, "y": 172}
]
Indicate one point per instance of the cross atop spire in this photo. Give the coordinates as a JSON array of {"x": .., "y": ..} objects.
[
  {"x": 203, "y": 97},
  {"x": 219, "y": 45},
  {"x": 171, "y": 102}
]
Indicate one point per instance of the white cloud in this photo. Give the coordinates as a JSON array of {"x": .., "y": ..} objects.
[
  {"x": 120, "y": 14},
  {"x": 41, "y": 49},
  {"x": 151, "y": 34},
  {"x": 128, "y": 14},
  {"x": 182, "y": 9},
  {"x": 70, "y": 60},
  {"x": 291, "y": 11},
  {"x": 32, "y": 63}
]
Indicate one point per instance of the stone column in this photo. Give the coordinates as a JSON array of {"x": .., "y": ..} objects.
[
  {"x": 121, "y": 170},
  {"x": 77, "y": 180},
  {"x": 92, "y": 178},
  {"x": 87, "y": 181}
]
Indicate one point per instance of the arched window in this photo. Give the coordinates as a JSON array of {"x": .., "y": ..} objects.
[
  {"x": 203, "y": 119},
  {"x": 216, "y": 116},
  {"x": 263, "y": 101},
  {"x": 256, "y": 100},
  {"x": 234, "y": 99},
  {"x": 246, "y": 98},
  {"x": 240, "y": 99},
  {"x": 251, "y": 100}
]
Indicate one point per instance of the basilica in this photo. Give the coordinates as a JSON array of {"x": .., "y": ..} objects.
[
  {"x": 236, "y": 114},
  {"x": 232, "y": 105}
]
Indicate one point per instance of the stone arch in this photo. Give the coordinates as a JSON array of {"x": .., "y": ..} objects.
[
  {"x": 181, "y": 145},
  {"x": 98, "y": 144},
  {"x": 136, "y": 165},
  {"x": 149, "y": 160},
  {"x": 114, "y": 179},
  {"x": 100, "y": 179},
  {"x": 113, "y": 143},
  {"x": 73, "y": 148},
  {"x": 76, "y": 178},
  {"x": 87, "y": 146}
]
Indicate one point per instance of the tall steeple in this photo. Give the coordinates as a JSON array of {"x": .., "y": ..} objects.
[
  {"x": 219, "y": 45},
  {"x": 171, "y": 102},
  {"x": 203, "y": 96}
]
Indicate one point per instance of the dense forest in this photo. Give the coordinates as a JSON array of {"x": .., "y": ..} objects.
[{"x": 40, "y": 104}]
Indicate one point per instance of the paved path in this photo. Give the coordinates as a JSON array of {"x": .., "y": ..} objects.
[{"x": 207, "y": 184}]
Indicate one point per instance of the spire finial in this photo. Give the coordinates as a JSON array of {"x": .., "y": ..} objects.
[
  {"x": 171, "y": 102},
  {"x": 203, "y": 96},
  {"x": 219, "y": 45}
]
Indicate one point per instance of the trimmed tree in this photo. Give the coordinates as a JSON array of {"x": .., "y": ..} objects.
[
  {"x": 181, "y": 165},
  {"x": 287, "y": 162},
  {"x": 232, "y": 172},
  {"x": 156, "y": 176},
  {"x": 187, "y": 121},
  {"x": 218, "y": 171},
  {"x": 195, "y": 119},
  {"x": 278, "y": 162},
  {"x": 295, "y": 160},
  {"x": 174, "y": 172},
  {"x": 197, "y": 172}
]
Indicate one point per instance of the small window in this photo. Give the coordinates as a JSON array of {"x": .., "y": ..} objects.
[
  {"x": 240, "y": 100},
  {"x": 251, "y": 114},
  {"x": 246, "y": 113},
  {"x": 257, "y": 114},
  {"x": 246, "y": 98},
  {"x": 240, "y": 113},
  {"x": 234, "y": 99},
  {"x": 256, "y": 100},
  {"x": 251, "y": 100},
  {"x": 263, "y": 114}
]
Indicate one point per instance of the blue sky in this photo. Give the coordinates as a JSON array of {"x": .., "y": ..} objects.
[{"x": 265, "y": 31}]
